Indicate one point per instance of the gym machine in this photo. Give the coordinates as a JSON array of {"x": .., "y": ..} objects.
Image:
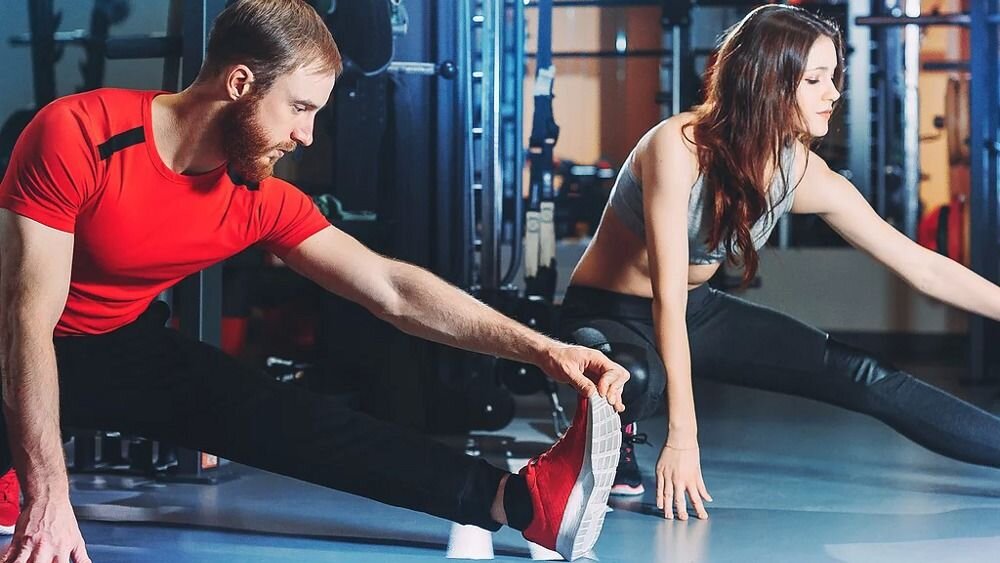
[{"x": 983, "y": 144}]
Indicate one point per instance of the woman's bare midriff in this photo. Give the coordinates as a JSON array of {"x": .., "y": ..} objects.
[{"x": 616, "y": 261}]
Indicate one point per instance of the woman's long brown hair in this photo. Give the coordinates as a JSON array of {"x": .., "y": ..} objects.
[{"x": 749, "y": 116}]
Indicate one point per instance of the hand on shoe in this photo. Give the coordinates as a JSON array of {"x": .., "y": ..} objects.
[
  {"x": 587, "y": 370},
  {"x": 47, "y": 531},
  {"x": 678, "y": 473}
]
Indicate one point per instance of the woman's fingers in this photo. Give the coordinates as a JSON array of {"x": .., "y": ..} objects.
[
  {"x": 680, "y": 503},
  {"x": 696, "y": 502}
]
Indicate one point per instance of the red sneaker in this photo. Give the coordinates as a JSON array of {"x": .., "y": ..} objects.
[
  {"x": 10, "y": 502},
  {"x": 569, "y": 484}
]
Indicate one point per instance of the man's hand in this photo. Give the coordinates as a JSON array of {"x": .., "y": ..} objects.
[
  {"x": 47, "y": 531},
  {"x": 586, "y": 370}
]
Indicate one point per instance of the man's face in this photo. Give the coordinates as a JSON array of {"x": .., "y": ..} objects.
[{"x": 260, "y": 129}]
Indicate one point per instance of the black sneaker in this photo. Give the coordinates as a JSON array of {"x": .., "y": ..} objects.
[{"x": 628, "y": 479}]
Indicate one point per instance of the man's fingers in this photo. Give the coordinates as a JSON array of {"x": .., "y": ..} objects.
[
  {"x": 35, "y": 554},
  {"x": 619, "y": 404},
  {"x": 613, "y": 394},
  {"x": 80, "y": 555},
  {"x": 604, "y": 385},
  {"x": 585, "y": 386},
  {"x": 20, "y": 554},
  {"x": 599, "y": 363},
  {"x": 616, "y": 386}
]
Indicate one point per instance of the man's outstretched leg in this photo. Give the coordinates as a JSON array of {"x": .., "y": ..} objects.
[{"x": 154, "y": 382}]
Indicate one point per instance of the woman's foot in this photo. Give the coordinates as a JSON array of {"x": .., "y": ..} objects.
[{"x": 628, "y": 478}]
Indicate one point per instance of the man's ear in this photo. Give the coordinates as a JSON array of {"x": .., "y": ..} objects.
[{"x": 239, "y": 81}]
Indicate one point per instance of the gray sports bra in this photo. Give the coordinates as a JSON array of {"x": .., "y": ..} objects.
[{"x": 626, "y": 200}]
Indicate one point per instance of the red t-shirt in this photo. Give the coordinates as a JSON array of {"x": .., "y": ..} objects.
[{"x": 87, "y": 164}]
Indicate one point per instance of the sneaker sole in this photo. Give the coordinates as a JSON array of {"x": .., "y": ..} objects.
[
  {"x": 627, "y": 490},
  {"x": 588, "y": 501}
]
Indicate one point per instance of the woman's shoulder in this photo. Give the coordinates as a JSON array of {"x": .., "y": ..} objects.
[
  {"x": 671, "y": 139},
  {"x": 806, "y": 164},
  {"x": 674, "y": 129}
]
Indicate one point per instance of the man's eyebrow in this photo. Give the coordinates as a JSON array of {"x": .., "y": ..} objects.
[{"x": 306, "y": 103}]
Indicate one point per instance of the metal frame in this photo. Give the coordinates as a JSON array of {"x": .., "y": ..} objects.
[
  {"x": 199, "y": 296},
  {"x": 859, "y": 103},
  {"x": 43, "y": 22},
  {"x": 491, "y": 75},
  {"x": 899, "y": 63},
  {"x": 675, "y": 17},
  {"x": 911, "y": 122},
  {"x": 491, "y": 178},
  {"x": 513, "y": 133},
  {"x": 984, "y": 141}
]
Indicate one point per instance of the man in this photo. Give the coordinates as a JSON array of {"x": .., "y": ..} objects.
[{"x": 112, "y": 196}]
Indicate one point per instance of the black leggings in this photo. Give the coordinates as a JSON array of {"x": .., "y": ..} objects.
[
  {"x": 734, "y": 341},
  {"x": 152, "y": 381}
]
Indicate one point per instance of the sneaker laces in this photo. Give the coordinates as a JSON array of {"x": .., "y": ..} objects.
[{"x": 629, "y": 440}]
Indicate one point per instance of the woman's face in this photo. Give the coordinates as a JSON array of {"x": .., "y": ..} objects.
[{"x": 817, "y": 92}]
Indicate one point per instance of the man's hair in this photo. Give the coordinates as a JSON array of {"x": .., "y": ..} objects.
[{"x": 271, "y": 37}]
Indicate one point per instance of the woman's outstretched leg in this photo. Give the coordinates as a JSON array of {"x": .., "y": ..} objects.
[{"x": 746, "y": 344}]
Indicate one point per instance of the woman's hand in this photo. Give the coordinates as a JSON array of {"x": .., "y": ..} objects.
[{"x": 678, "y": 473}]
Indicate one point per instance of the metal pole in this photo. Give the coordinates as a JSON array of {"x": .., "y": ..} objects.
[
  {"x": 859, "y": 103},
  {"x": 518, "y": 156},
  {"x": 492, "y": 178},
  {"x": 470, "y": 77},
  {"x": 984, "y": 96},
  {"x": 43, "y": 21},
  {"x": 200, "y": 295},
  {"x": 883, "y": 108},
  {"x": 916, "y": 19},
  {"x": 675, "y": 69},
  {"x": 911, "y": 122}
]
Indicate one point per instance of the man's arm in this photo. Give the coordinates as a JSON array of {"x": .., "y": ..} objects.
[
  {"x": 424, "y": 305},
  {"x": 35, "y": 263}
]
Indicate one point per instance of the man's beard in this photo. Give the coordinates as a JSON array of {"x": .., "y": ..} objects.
[{"x": 246, "y": 142}]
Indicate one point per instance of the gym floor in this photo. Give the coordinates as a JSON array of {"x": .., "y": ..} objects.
[{"x": 793, "y": 480}]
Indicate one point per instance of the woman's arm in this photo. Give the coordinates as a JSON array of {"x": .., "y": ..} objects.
[
  {"x": 666, "y": 181},
  {"x": 839, "y": 203},
  {"x": 668, "y": 170}
]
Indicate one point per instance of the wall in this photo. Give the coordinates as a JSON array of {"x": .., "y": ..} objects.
[{"x": 16, "y": 92}]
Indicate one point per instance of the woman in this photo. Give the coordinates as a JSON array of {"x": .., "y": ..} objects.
[{"x": 706, "y": 186}]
